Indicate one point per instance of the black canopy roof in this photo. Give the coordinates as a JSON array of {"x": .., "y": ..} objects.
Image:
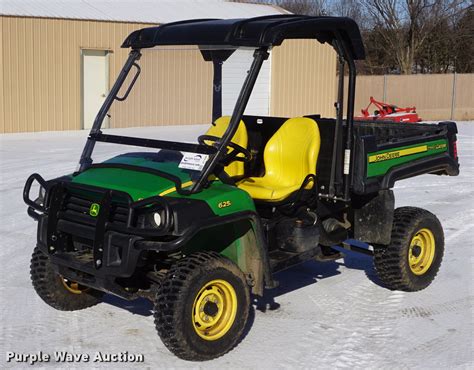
[{"x": 253, "y": 32}]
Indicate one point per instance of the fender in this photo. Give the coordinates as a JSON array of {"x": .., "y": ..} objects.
[{"x": 238, "y": 236}]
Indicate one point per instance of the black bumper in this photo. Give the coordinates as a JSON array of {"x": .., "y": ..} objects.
[
  {"x": 93, "y": 250},
  {"x": 98, "y": 268}
]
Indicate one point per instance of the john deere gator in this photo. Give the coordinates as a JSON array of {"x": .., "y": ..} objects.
[{"x": 198, "y": 227}]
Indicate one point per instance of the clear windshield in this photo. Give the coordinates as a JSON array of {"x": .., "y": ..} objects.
[{"x": 174, "y": 89}]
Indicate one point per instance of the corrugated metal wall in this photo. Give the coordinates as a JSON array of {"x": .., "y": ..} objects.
[
  {"x": 174, "y": 88},
  {"x": 303, "y": 79},
  {"x": 432, "y": 95},
  {"x": 40, "y": 72},
  {"x": 42, "y": 69},
  {"x": 464, "y": 97},
  {"x": 365, "y": 88}
]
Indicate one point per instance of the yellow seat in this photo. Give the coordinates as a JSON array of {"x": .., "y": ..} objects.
[
  {"x": 240, "y": 138},
  {"x": 289, "y": 156}
]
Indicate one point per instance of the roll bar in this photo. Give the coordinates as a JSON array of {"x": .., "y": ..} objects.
[{"x": 260, "y": 55}]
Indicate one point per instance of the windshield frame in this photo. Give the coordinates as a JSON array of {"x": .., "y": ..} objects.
[{"x": 215, "y": 152}]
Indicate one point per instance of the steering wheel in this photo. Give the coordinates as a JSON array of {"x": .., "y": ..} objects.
[{"x": 229, "y": 157}]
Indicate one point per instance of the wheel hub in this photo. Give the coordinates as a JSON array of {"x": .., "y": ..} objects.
[
  {"x": 211, "y": 308},
  {"x": 416, "y": 251},
  {"x": 421, "y": 252},
  {"x": 214, "y": 310}
]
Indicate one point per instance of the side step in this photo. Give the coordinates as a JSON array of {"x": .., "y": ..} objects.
[{"x": 281, "y": 260}]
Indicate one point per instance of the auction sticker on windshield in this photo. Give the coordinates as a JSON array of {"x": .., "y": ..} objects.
[{"x": 193, "y": 161}]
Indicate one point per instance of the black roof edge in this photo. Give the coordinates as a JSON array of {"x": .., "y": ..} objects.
[{"x": 265, "y": 31}]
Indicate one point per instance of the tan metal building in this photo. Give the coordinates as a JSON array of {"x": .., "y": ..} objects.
[{"x": 60, "y": 58}]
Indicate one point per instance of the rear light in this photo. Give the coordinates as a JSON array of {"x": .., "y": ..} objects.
[{"x": 455, "y": 149}]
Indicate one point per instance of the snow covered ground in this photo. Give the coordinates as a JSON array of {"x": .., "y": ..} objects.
[{"x": 331, "y": 315}]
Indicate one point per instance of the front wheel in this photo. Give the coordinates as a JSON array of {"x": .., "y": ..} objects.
[
  {"x": 202, "y": 306},
  {"x": 57, "y": 291},
  {"x": 412, "y": 259}
]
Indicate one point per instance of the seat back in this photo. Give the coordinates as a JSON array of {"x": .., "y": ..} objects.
[
  {"x": 240, "y": 138},
  {"x": 292, "y": 152}
]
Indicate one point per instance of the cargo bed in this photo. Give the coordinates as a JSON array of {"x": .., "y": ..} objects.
[{"x": 384, "y": 152}]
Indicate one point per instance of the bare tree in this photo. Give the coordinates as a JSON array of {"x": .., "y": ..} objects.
[
  {"x": 402, "y": 36},
  {"x": 404, "y": 25},
  {"x": 351, "y": 9},
  {"x": 305, "y": 7},
  {"x": 464, "y": 42}
]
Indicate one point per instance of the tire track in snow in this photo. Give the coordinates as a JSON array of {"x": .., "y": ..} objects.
[
  {"x": 341, "y": 338},
  {"x": 438, "y": 309},
  {"x": 458, "y": 233},
  {"x": 46, "y": 323},
  {"x": 430, "y": 350}
]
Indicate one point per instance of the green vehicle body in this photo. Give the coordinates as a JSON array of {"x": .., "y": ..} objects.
[
  {"x": 235, "y": 240},
  {"x": 239, "y": 239}
]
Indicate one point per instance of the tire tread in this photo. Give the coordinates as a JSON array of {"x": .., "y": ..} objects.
[
  {"x": 172, "y": 293},
  {"x": 390, "y": 261}
]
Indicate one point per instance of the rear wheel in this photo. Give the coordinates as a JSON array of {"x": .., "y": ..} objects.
[
  {"x": 57, "y": 291},
  {"x": 413, "y": 258},
  {"x": 202, "y": 307}
]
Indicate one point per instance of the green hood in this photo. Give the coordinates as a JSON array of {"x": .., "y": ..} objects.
[
  {"x": 222, "y": 198},
  {"x": 139, "y": 185}
]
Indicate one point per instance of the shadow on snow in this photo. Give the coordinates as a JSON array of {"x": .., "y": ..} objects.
[{"x": 294, "y": 278}]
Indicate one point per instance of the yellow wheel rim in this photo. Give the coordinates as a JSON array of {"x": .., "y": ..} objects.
[
  {"x": 421, "y": 252},
  {"x": 214, "y": 310},
  {"x": 72, "y": 286}
]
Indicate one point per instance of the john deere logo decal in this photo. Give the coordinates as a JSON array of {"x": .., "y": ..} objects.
[{"x": 94, "y": 210}]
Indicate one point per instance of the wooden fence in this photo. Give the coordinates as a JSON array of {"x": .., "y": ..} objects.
[{"x": 436, "y": 97}]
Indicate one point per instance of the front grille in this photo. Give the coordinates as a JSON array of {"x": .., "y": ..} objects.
[{"x": 77, "y": 209}]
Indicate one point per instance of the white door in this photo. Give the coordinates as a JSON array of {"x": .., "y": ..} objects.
[
  {"x": 95, "y": 82},
  {"x": 234, "y": 71}
]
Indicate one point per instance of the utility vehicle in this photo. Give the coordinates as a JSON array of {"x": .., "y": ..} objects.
[{"x": 198, "y": 227}]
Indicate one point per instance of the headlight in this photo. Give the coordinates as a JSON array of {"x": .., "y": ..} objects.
[
  {"x": 156, "y": 219},
  {"x": 152, "y": 220}
]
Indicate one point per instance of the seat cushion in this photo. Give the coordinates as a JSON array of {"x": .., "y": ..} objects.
[
  {"x": 260, "y": 189},
  {"x": 289, "y": 156}
]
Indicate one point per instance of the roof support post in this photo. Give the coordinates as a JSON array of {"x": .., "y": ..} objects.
[
  {"x": 218, "y": 57},
  {"x": 337, "y": 141},
  {"x": 217, "y": 90},
  {"x": 86, "y": 159},
  {"x": 348, "y": 162}
]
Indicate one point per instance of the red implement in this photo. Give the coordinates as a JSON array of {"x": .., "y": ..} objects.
[{"x": 388, "y": 112}]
